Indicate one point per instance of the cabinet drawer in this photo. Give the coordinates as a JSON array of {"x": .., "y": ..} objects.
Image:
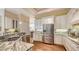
[
  {"x": 58, "y": 39},
  {"x": 70, "y": 45}
]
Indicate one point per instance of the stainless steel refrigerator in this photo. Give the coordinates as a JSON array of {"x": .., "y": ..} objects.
[{"x": 48, "y": 33}]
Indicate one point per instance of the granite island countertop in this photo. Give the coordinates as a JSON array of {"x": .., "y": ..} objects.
[{"x": 15, "y": 45}]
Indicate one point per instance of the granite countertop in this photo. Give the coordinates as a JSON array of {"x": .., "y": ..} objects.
[
  {"x": 23, "y": 46},
  {"x": 62, "y": 34},
  {"x": 76, "y": 40},
  {"x": 14, "y": 45}
]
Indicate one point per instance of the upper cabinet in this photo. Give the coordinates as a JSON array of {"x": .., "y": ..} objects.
[
  {"x": 2, "y": 21},
  {"x": 72, "y": 16},
  {"x": 65, "y": 21},
  {"x": 75, "y": 18},
  {"x": 48, "y": 20},
  {"x": 60, "y": 22}
]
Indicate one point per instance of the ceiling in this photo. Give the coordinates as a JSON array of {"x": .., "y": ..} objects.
[
  {"x": 39, "y": 9},
  {"x": 43, "y": 12},
  {"x": 40, "y": 12}
]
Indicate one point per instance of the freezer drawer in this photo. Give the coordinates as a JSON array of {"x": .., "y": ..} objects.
[{"x": 48, "y": 39}]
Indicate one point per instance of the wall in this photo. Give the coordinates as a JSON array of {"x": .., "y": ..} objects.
[{"x": 2, "y": 20}]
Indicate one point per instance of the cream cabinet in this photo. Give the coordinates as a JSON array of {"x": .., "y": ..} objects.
[
  {"x": 38, "y": 36},
  {"x": 2, "y": 11},
  {"x": 71, "y": 15},
  {"x": 69, "y": 44},
  {"x": 60, "y": 22},
  {"x": 58, "y": 39},
  {"x": 0, "y": 23}
]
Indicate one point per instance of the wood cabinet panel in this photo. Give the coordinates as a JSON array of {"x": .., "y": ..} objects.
[{"x": 26, "y": 38}]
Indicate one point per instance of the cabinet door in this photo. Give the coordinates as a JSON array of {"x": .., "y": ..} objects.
[
  {"x": 65, "y": 43},
  {"x": 60, "y": 22},
  {"x": 0, "y": 23},
  {"x": 38, "y": 36},
  {"x": 58, "y": 39},
  {"x": 70, "y": 45}
]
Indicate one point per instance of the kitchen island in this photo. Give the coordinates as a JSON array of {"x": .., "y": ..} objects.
[{"x": 15, "y": 45}]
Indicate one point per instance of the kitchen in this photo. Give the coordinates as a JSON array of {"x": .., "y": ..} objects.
[
  {"x": 63, "y": 22},
  {"x": 14, "y": 26},
  {"x": 51, "y": 26}
]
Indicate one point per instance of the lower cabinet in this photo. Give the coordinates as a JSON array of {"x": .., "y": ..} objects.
[
  {"x": 38, "y": 36},
  {"x": 58, "y": 39},
  {"x": 70, "y": 45},
  {"x": 67, "y": 42},
  {"x": 26, "y": 38}
]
